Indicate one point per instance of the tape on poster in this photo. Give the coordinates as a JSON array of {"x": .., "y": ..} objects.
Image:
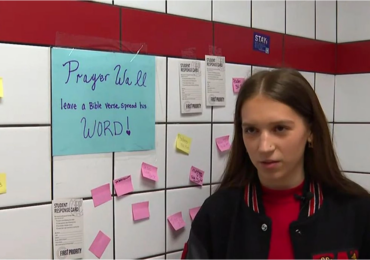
[{"x": 189, "y": 53}]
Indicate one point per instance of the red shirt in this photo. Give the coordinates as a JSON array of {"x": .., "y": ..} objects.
[{"x": 283, "y": 208}]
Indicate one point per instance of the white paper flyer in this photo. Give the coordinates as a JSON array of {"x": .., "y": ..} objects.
[
  {"x": 215, "y": 81},
  {"x": 68, "y": 231},
  {"x": 190, "y": 87}
]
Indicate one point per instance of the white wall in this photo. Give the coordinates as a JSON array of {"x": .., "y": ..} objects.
[{"x": 351, "y": 91}]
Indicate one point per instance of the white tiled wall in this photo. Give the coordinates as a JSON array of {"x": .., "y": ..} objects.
[
  {"x": 25, "y": 157},
  {"x": 351, "y": 115},
  {"x": 151, "y": 5},
  {"x": 232, "y": 12},
  {"x": 326, "y": 20},
  {"x": 324, "y": 87},
  {"x": 34, "y": 177},
  {"x": 351, "y": 131},
  {"x": 351, "y": 92},
  {"x": 353, "y": 20},
  {"x": 21, "y": 109},
  {"x": 106, "y": 1},
  {"x": 20, "y": 241},
  {"x": 190, "y": 8},
  {"x": 300, "y": 18},
  {"x": 273, "y": 18}
]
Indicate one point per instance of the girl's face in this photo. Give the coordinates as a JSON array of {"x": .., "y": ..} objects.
[{"x": 275, "y": 138}]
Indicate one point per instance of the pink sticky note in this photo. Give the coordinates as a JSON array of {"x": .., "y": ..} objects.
[
  {"x": 149, "y": 171},
  {"x": 123, "y": 185},
  {"x": 176, "y": 221},
  {"x": 237, "y": 83},
  {"x": 193, "y": 212},
  {"x": 101, "y": 194},
  {"x": 223, "y": 143},
  {"x": 196, "y": 175},
  {"x": 99, "y": 244},
  {"x": 140, "y": 210}
]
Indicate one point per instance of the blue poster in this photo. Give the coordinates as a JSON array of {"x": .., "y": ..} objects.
[
  {"x": 261, "y": 42},
  {"x": 102, "y": 102}
]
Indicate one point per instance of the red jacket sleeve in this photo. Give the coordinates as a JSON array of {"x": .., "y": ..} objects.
[{"x": 184, "y": 251}]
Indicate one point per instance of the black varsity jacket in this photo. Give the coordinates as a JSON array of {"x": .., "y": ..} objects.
[{"x": 231, "y": 224}]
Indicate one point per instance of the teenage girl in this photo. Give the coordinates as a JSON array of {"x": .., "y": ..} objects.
[{"x": 282, "y": 194}]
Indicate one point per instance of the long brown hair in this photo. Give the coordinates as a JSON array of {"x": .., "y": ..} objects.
[{"x": 320, "y": 161}]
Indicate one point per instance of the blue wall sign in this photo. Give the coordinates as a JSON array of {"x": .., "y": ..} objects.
[
  {"x": 102, "y": 102},
  {"x": 261, "y": 43}
]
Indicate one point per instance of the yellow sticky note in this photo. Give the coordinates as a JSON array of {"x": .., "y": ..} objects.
[
  {"x": 2, "y": 183},
  {"x": 1, "y": 88},
  {"x": 183, "y": 143}
]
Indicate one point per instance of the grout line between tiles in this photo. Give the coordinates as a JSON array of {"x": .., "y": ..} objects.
[{"x": 165, "y": 164}]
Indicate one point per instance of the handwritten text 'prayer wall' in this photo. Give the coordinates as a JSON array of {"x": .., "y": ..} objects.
[{"x": 120, "y": 76}]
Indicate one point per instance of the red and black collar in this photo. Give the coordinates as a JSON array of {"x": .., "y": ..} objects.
[{"x": 312, "y": 194}]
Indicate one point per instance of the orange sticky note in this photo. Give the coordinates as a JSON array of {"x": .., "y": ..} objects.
[
  {"x": 101, "y": 194},
  {"x": 140, "y": 210},
  {"x": 193, "y": 212},
  {"x": 149, "y": 171},
  {"x": 176, "y": 221},
  {"x": 123, "y": 185},
  {"x": 1, "y": 88},
  {"x": 99, "y": 244},
  {"x": 2, "y": 183},
  {"x": 196, "y": 175},
  {"x": 223, "y": 143}
]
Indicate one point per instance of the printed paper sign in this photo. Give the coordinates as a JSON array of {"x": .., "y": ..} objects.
[
  {"x": 261, "y": 43},
  {"x": 99, "y": 244},
  {"x": 190, "y": 87},
  {"x": 223, "y": 143},
  {"x": 101, "y": 194},
  {"x": 176, "y": 221},
  {"x": 196, "y": 175},
  {"x": 140, "y": 210},
  {"x": 237, "y": 83},
  {"x": 149, "y": 171},
  {"x": 183, "y": 143},
  {"x": 102, "y": 102},
  {"x": 68, "y": 228},
  {"x": 123, "y": 185},
  {"x": 215, "y": 81}
]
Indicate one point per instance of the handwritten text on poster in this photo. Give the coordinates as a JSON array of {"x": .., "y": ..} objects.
[{"x": 102, "y": 102}]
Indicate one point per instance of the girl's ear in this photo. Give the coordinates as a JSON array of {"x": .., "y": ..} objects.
[{"x": 310, "y": 140}]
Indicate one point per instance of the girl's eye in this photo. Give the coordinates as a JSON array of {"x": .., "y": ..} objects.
[
  {"x": 249, "y": 130},
  {"x": 280, "y": 128}
]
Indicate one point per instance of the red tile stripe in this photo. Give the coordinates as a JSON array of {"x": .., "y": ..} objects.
[
  {"x": 353, "y": 57},
  {"x": 92, "y": 25},
  {"x": 309, "y": 55},
  {"x": 60, "y": 23},
  {"x": 166, "y": 35}
]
